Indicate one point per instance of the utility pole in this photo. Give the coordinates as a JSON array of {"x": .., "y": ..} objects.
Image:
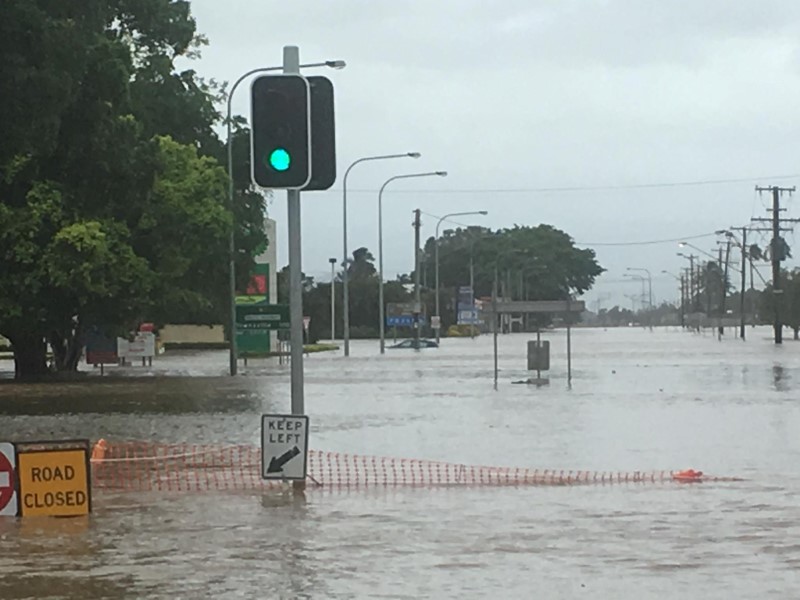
[
  {"x": 708, "y": 291},
  {"x": 694, "y": 289},
  {"x": 417, "y": 299},
  {"x": 472, "y": 294},
  {"x": 494, "y": 322},
  {"x": 721, "y": 330},
  {"x": 690, "y": 295},
  {"x": 744, "y": 282},
  {"x": 724, "y": 272},
  {"x": 776, "y": 253},
  {"x": 333, "y": 298},
  {"x": 683, "y": 302}
]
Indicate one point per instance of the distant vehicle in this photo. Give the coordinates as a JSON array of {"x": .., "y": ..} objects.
[{"x": 413, "y": 344}]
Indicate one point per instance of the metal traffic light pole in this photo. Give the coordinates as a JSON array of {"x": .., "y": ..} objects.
[
  {"x": 233, "y": 353},
  {"x": 291, "y": 65}
]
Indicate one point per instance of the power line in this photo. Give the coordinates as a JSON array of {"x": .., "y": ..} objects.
[
  {"x": 578, "y": 188},
  {"x": 427, "y": 214},
  {"x": 644, "y": 243},
  {"x": 649, "y": 242}
]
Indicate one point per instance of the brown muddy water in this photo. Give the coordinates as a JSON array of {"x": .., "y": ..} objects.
[{"x": 639, "y": 400}]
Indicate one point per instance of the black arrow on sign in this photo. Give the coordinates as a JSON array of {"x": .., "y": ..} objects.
[{"x": 276, "y": 463}]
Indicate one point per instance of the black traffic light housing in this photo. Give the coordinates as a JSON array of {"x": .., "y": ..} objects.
[
  {"x": 281, "y": 132},
  {"x": 323, "y": 134}
]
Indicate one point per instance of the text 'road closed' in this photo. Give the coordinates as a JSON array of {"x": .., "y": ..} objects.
[{"x": 54, "y": 482}]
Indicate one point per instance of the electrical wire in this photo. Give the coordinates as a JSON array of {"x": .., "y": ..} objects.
[
  {"x": 644, "y": 243},
  {"x": 579, "y": 188},
  {"x": 649, "y": 242}
]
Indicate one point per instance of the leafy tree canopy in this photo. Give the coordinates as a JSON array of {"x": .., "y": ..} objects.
[
  {"x": 544, "y": 259},
  {"x": 112, "y": 199}
]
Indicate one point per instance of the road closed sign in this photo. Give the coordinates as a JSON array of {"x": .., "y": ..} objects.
[
  {"x": 53, "y": 480},
  {"x": 8, "y": 494},
  {"x": 284, "y": 446}
]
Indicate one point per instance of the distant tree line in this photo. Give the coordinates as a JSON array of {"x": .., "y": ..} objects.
[
  {"x": 759, "y": 306},
  {"x": 530, "y": 263}
]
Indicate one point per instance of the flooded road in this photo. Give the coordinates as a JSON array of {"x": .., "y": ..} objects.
[{"x": 639, "y": 400}]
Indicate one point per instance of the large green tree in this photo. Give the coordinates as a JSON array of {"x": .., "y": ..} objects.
[
  {"x": 363, "y": 292},
  {"x": 112, "y": 198},
  {"x": 531, "y": 263}
]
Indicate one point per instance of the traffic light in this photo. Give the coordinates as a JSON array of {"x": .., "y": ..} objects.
[
  {"x": 281, "y": 132},
  {"x": 323, "y": 134}
]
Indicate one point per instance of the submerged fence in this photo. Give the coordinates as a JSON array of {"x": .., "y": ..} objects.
[{"x": 141, "y": 466}]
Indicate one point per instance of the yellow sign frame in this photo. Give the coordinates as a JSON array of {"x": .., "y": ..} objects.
[{"x": 54, "y": 479}]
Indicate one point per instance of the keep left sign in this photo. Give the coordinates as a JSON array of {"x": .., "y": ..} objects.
[{"x": 8, "y": 494}]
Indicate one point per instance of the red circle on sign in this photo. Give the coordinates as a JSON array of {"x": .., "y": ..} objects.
[{"x": 6, "y": 492}]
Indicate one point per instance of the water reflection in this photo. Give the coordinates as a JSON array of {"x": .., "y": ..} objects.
[
  {"x": 56, "y": 558},
  {"x": 640, "y": 400},
  {"x": 291, "y": 528},
  {"x": 167, "y": 395},
  {"x": 781, "y": 380}
]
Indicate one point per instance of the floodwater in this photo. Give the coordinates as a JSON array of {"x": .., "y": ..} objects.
[{"x": 639, "y": 400}]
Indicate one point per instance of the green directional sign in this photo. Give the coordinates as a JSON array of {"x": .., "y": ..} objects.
[{"x": 261, "y": 317}]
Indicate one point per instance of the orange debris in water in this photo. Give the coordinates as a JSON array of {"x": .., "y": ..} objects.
[
  {"x": 688, "y": 475},
  {"x": 99, "y": 450}
]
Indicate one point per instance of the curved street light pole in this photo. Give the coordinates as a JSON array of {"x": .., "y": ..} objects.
[
  {"x": 649, "y": 284},
  {"x": 708, "y": 254},
  {"x": 345, "y": 260},
  {"x": 694, "y": 296},
  {"x": 333, "y": 299},
  {"x": 334, "y": 64},
  {"x": 681, "y": 305},
  {"x": 380, "y": 246},
  {"x": 436, "y": 254},
  {"x": 742, "y": 244},
  {"x": 699, "y": 270},
  {"x": 643, "y": 279}
]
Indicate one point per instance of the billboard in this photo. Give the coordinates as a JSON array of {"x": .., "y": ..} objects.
[
  {"x": 401, "y": 314},
  {"x": 467, "y": 311},
  {"x": 250, "y": 339}
]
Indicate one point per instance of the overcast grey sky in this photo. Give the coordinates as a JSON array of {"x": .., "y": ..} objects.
[{"x": 515, "y": 97}]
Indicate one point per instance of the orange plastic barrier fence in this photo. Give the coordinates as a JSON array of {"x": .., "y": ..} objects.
[{"x": 138, "y": 466}]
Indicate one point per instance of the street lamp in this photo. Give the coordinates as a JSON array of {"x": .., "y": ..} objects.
[
  {"x": 693, "y": 297},
  {"x": 714, "y": 259},
  {"x": 333, "y": 64},
  {"x": 436, "y": 254},
  {"x": 649, "y": 283},
  {"x": 684, "y": 244},
  {"x": 742, "y": 244},
  {"x": 380, "y": 244},
  {"x": 345, "y": 274},
  {"x": 683, "y": 296},
  {"x": 637, "y": 277},
  {"x": 671, "y": 274},
  {"x": 333, "y": 298}
]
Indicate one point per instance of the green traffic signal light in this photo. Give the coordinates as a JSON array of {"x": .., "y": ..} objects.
[
  {"x": 280, "y": 146},
  {"x": 279, "y": 159}
]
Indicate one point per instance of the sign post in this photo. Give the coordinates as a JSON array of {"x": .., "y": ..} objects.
[
  {"x": 8, "y": 494},
  {"x": 284, "y": 447},
  {"x": 142, "y": 346},
  {"x": 284, "y": 149},
  {"x": 401, "y": 314},
  {"x": 261, "y": 317}
]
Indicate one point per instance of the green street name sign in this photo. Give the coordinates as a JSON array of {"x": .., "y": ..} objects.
[{"x": 262, "y": 316}]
